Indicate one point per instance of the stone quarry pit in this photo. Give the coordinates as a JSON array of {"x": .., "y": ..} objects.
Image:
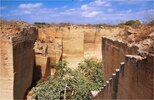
[{"x": 29, "y": 53}]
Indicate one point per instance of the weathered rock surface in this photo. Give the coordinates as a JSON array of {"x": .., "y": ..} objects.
[
  {"x": 72, "y": 43},
  {"x": 128, "y": 65},
  {"x": 41, "y": 68},
  {"x": 16, "y": 62},
  {"x": 114, "y": 52},
  {"x": 131, "y": 80},
  {"x": 77, "y": 41}
]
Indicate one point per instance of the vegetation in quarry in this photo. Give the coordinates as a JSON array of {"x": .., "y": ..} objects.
[
  {"x": 71, "y": 84},
  {"x": 133, "y": 23},
  {"x": 92, "y": 69}
]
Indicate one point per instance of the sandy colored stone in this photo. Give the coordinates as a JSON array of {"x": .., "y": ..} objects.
[
  {"x": 76, "y": 41},
  {"x": 16, "y": 63},
  {"x": 41, "y": 68}
]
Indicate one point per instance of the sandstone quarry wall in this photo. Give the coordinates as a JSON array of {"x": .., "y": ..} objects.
[
  {"x": 51, "y": 34},
  {"x": 93, "y": 37},
  {"x": 52, "y": 38},
  {"x": 134, "y": 80},
  {"x": 113, "y": 52},
  {"x": 17, "y": 72},
  {"x": 72, "y": 46},
  {"x": 77, "y": 41},
  {"x": 41, "y": 68},
  {"x": 6, "y": 69}
]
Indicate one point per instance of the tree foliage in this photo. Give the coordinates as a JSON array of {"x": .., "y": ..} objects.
[
  {"x": 71, "y": 84},
  {"x": 133, "y": 23},
  {"x": 92, "y": 69}
]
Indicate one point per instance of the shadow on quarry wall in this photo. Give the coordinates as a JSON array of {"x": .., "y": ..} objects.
[
  {"x": 113, "y": 52},
  {"x": 17, "y": 63},
  {"x": 36, "y": 75},
  {"x": 23, "y": 52},
  {"x": 132, "y": 79},
  {"x": 41, "y": 69}
]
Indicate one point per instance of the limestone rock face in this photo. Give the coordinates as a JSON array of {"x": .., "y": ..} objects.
[
  {"x": 6, "y": 70},
  {"x": 75, "y": 42},
  {"x": 73, "y": 46},
  {"x": 41, "y": 68},
  {"x": 80, "y": 42},
  {"x": 52, "y": 37},
  {"x": 48, "y": 51},
  {"x": 114, "y": 51},
  {"x": 130, "y": 80},
  {"x": 127, "y": 58},
  {"x": 50, "y": 34},
  {"x": 16, "y": 63},
  {"x": 92, "y": 39}
]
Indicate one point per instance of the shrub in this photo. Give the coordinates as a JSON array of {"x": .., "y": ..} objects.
[
  {"x": 133, "y": 23},
  {"x": 71, "y": 84},
  {"x": 92, "y": 69},
  {"x": 53, "y": 24}
]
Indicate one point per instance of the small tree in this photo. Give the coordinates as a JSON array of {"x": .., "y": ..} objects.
[
  {"x": 92, "y": 69},
  {"x": 71, "y": 84},
  {"x": 53, "y": 24},
  {"x": 133, "y": 23},
  {"x": 65, "y": 84}
]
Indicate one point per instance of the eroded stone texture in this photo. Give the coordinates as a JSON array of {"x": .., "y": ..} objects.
[
  {"x": 137, "y": 80},
  {"x": 134, "y": 80},
  {"x": 51, "y": 50},
  {"x": 17, "y": 61},
  {"x": 114, "y": 52},
  {"x": 128, "y": 66},
  {"x": 73, "y": 46},
  {"x": 41, "y": 68},
  {"x": 6, "y": 70},
  {"x": 49, "y": 44},
  {"x": 92, "y": 39},
  {"x": 77, "y": 41}
]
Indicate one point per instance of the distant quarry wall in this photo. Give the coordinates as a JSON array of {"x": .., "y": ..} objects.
[
  {"x": 128, "y": 74},
  {"x": 16, "y": 63},
  {"x": 77, "y": 41}
]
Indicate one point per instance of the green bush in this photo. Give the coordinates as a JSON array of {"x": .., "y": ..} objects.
[
  {"x": 40, "y": 23},
  {"x": 53, "y": 24},
  {"x": 71, "y": 84},
  {"x": 92, "y": 69},
  {"x": 133, "y": 23}
]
